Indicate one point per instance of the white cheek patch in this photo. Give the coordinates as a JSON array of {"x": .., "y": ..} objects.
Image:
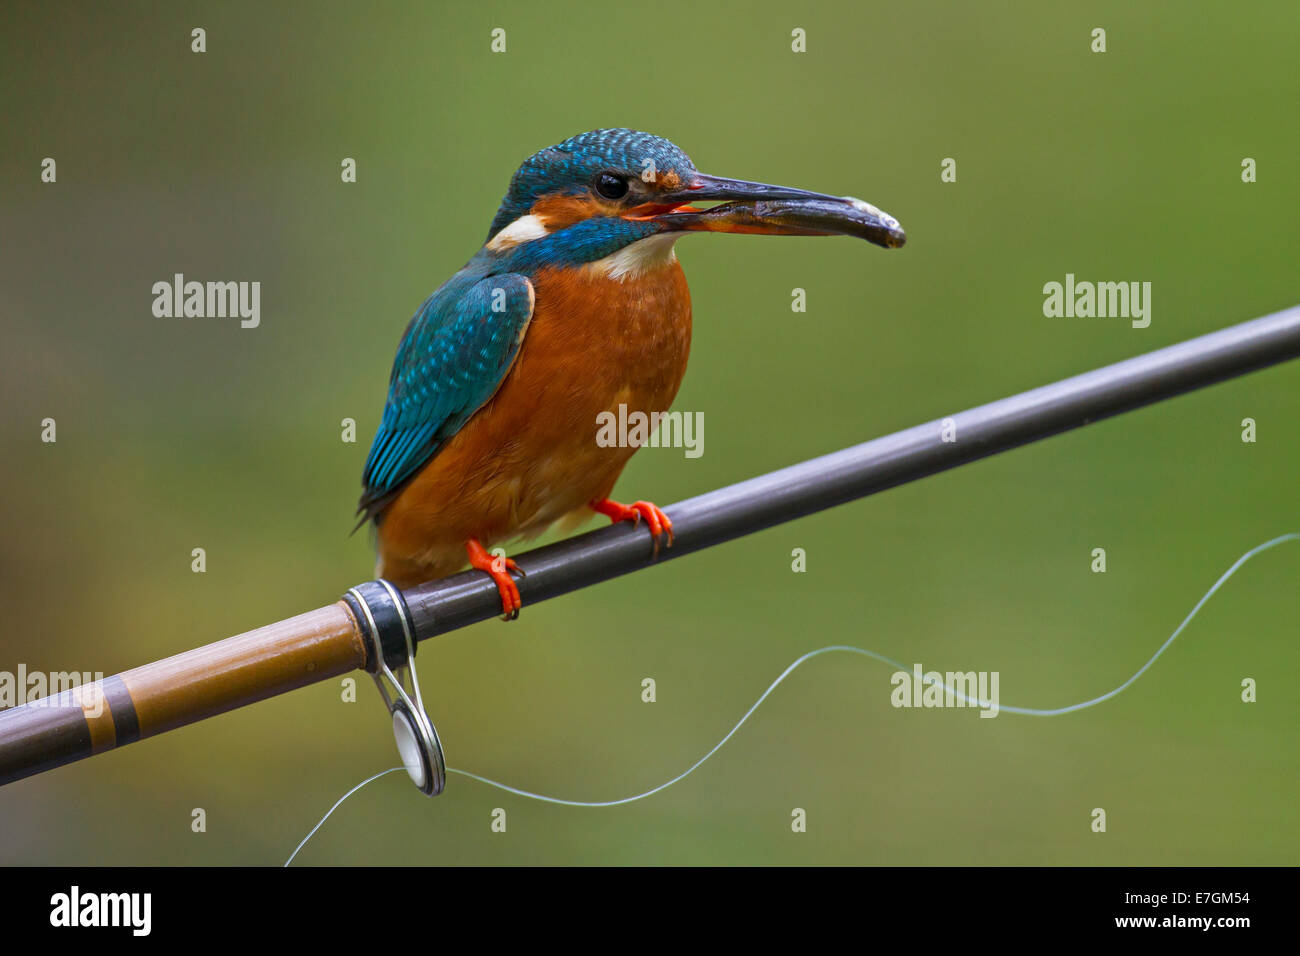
[
  {"x": 638, "y": 258},
  {"x": 524, "y": 229}
]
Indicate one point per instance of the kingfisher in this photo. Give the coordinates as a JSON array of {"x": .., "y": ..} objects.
[{"x": 574, "y": 306}]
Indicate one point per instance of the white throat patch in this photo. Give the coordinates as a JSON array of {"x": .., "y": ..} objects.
[{"x": 638, "y": 258}]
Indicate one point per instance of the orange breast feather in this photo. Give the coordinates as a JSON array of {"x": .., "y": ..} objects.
[{"x": 529, "y": 456}]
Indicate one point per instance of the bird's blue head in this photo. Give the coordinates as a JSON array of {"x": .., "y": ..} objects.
[
  {"x": 601, "y": 167},
  {"x": 596, "y": 192}
]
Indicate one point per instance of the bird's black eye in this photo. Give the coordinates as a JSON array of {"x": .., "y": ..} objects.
[{"x": 609, "y": 186}]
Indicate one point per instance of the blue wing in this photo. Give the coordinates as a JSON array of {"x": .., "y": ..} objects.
[{"x": 453, "y": 357}]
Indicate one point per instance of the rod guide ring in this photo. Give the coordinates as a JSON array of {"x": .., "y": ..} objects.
[{"x": 390, "y": 651}]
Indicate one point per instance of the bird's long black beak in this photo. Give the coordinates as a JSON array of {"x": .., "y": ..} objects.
[{"x": 773, "y": 211}]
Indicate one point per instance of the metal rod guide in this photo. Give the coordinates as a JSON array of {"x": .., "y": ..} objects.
[{"x": 386, "y": 624}]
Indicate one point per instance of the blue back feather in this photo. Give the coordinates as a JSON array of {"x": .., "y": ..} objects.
[{"x": 456, "y": 350}]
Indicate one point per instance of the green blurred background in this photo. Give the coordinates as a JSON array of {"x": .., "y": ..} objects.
[{"x": 176, "y": 434}]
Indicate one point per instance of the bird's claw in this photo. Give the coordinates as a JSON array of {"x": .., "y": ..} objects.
[
  {"x": 498, "y": 568},
  {"x": 658, "y": 522}
]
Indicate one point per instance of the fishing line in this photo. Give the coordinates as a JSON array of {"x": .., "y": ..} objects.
[
  {"x": 844, "y": 648},
  {"x": 336, "y": 806}
]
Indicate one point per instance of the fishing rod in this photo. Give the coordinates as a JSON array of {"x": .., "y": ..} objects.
[{"x": 375, "y": 627}]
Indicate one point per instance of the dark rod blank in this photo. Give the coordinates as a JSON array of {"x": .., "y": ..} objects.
[
  {"x": 333, "y": 640},
  {"x": 820, "y": 483}
]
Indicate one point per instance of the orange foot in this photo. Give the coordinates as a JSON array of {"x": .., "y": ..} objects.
[
  {"x": 499, "y": 568},
  {"x": 654, "y": 517}
]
